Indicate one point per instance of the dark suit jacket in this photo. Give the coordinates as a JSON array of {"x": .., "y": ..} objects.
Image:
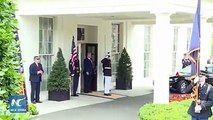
[
  {"x": 88, "y": 66},
  {"x": 34, "y": 77}
]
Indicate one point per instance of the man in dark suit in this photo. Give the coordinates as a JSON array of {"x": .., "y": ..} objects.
[
  {"x": 88, "y": 71},
  {"x": 201, "y": 110},
  {"x": 74, "y": 72},
  {"x": 36, "y": 71}
]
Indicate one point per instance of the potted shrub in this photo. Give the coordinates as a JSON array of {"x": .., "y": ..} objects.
[
  {"x": 124, "y": 72},
  {"x": 58, "y": 84}
]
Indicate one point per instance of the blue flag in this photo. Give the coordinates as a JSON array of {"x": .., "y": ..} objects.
[{"x": 195, "y": 43}]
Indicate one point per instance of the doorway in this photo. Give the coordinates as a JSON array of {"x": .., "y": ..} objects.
[{"x": 92, "y": 48}]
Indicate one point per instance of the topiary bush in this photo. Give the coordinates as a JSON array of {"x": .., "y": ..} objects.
[
  {"x": 124, "y": 72},
  {"x": 58, "y": 78},
  {"x": 172, "y": 111},
  {"x": 124, "y": 68}
]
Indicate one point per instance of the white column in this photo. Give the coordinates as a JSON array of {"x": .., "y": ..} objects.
[
  {"x": 105, "y": 35},
  {"x": 136, "y": 44},
  {"x": 162, "y": 57},
  {"x": 205, "y": 41},
  {"x": 127, "y": 29}
]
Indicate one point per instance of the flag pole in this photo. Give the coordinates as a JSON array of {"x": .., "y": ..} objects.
[
  {"x": 21, "y": 72},
  {"x": 195, "y": 88},
  {"x": 196, "y": 62},
  {"x": 72, "y": 62},
  {"x": 194, "y": 51}
]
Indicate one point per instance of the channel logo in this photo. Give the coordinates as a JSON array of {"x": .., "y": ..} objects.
[{"x": 18, "y": 104}]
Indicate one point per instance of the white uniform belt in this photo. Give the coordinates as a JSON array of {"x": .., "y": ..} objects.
[{"x": 107, "y": 67}]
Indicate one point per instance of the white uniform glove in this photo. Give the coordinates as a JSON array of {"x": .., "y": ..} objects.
[
  {"x": 87, "y": 73},
  {"x": 198, "y": 108},
  {"x": 196, "y": 80}
]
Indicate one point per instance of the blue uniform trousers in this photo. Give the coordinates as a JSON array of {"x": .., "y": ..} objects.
[
  {"x": 198, "y": 118},
  {"x": 75, "y": 84}
]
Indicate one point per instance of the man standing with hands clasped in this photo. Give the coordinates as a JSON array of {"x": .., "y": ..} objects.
[
  {"x": 36, "y": 71},
  {"x": 201, "y": 110},
  {"x": 88, "y": 72}
]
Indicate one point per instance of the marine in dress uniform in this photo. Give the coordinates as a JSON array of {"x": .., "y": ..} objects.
[
  {"x": 106, "y": 62},
  {"x": 201, "y": 111}
]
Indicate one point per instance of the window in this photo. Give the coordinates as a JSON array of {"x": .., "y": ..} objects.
[
  {"x": 189, "y": 32},
  {"x": 115, "y": 48},
  {"x": 80, "y": 34},
  {"x": 45, "y": 47},
  {"x": 147, "y": 50},
  {"x": 115, "y": 38},
  {"x": 174, "y": 52}
]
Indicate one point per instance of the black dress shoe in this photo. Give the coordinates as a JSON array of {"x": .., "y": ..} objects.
[
  {"x": 75, "y": 95},
  {"x": 107, "y": 94},
  {"x": 38, "y": 102},
  {"x": 86, "y": 91},
  {"x": 33, "y": 102}
]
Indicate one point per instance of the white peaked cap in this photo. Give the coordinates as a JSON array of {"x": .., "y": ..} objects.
[{"x": 107, "y": 54}]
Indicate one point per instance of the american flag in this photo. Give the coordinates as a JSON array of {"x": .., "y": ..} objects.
[{"x": 73, "y": 54}]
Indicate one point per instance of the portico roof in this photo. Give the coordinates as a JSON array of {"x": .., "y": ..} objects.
[{"x": 180, "y": 10}]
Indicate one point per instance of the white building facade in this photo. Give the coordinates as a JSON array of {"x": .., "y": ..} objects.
[{"x": 155, "y": 33}]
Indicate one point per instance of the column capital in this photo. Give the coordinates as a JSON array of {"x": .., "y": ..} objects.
[
  {"x": 162, "y": 12},
  {"x": 206, "y": 16}
]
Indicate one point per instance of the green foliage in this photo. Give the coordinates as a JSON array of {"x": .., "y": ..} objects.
[
  {"x": 32, "y": 109},
  {"x": 58, "y": 78},
  {"x": 10, "y": 80},
  {"x": 124, "y": 69},
  {"x": 172, "y": 111},
  {"x": 6, "y": 115}
]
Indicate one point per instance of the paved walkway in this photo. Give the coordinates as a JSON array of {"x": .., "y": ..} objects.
[
  {"x": 85, "y": 105},
  {"x": 54, "y": 106},
  {"x": 120, "y": 109}
]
